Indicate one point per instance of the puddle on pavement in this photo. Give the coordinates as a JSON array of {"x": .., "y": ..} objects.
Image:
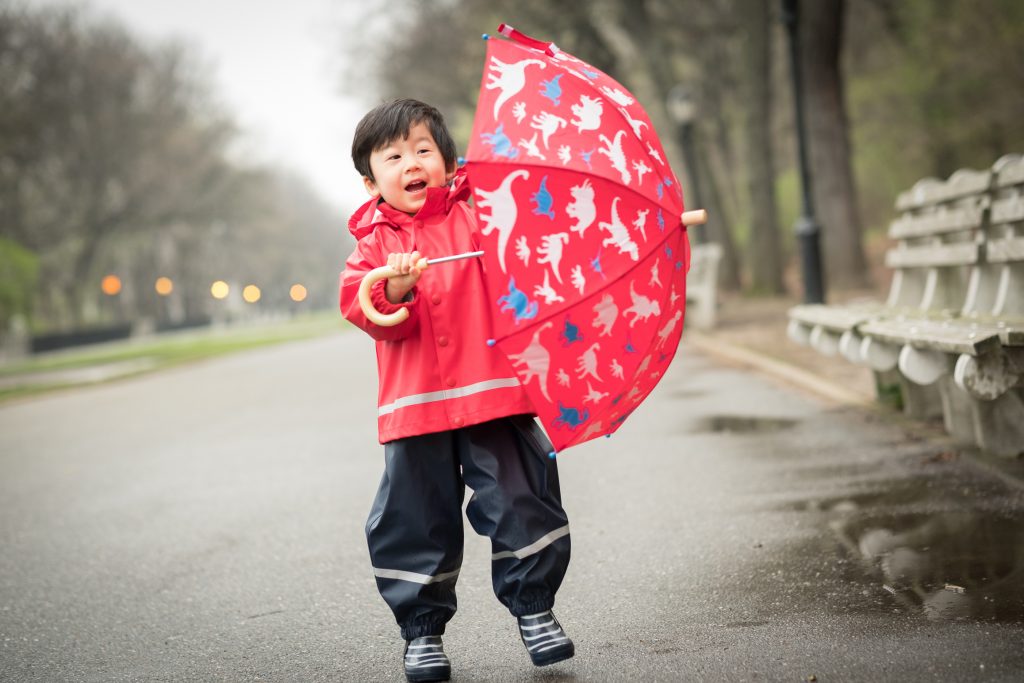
[
  {"x": 934, "y": 543},
  {"x": 742, "y": 424}
]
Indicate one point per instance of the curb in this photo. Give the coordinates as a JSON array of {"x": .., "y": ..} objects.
[{"x": 792, "y": 375}]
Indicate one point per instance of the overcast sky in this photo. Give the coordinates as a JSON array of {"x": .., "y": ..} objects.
[{"x": 277, "y": 65}]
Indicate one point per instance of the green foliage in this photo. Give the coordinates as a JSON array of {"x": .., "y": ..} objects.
[{"x": 19, "y": 276}]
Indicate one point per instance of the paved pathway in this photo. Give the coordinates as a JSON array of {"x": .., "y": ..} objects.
[{"x": 205, "y": 523}]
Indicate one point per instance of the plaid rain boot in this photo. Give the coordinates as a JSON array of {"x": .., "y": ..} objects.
[
  {"x": 425, "y": 660},
  {"x": 544, "y": 639}
]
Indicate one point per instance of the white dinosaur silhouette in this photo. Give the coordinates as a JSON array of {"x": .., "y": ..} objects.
[
  {"x": 534, "y": 361},
  {"x": 593, "y": 395},
  {"x": 640, "y": 222},
  {"x": 582, "y": 207},
  {"x": 618, "y": 234},
  {"x": 655, "y": 280},
  {"x": 588, "y": 112},
  {"x": 523, "y": 250},
  {"x": 617, "y": 371},
  {"x": 551, "y": 250},
  {"x": 587, "y": 364},
  {"x": 545, "y": 290},
  {"x": 642, "y": 308},
  {"x": 577, "y": 278},
  {"x": 620, "y": 98},
  {"x": 564, "y": 154},
  {"x": 592, "y": 430},
  {"x": 607, "y": 313},
  {"x": 613, "y": 150},
  {"x": 509, "y": 78},
  {"x": 503, "y": 211},
  {"x": 636, "y": 124},
  {"x": 563, "y": 379},
  {"x": 519, "y": 111},
  {"x": 531, "y": 148},
  {"x": 654, "y": 153},
  {"x": 641, "y": 170},
  {"x": 665, "y": 331},
  {"x": 673, "y": 297},
  {"x": 547, "y": 124}
]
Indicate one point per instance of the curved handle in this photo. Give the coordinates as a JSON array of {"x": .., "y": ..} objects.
[
  {"x": 372, "y": 314},
  {"x": 695, "y": 217}
]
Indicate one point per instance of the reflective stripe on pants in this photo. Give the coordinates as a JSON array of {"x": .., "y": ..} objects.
[{"x": 415, "y": 527}]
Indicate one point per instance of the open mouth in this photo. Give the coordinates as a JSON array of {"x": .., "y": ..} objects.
[{"x": 415, "y": 186}]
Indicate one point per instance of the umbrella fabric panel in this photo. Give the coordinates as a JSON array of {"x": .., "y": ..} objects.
[
  {"x": 586, "y": 369},
  {"x": 551, "y": 237},
  {"x": 563, "y": 112}
]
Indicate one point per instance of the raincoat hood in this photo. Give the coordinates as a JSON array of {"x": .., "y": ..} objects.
[{"x": 378, "y": 212}]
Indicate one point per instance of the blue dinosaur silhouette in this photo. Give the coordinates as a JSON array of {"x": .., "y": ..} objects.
[
  {"x": 570, "y": 417},
  {"x": 586, "y": 157},
  {"x": 668, "y": 251},
  {"x": 617, "y": 398},
  {"x": 595, "y": 265},
  {"x": 660, "y": 189},
  {"x": 679, "y": 265},
  {"x": 500, "y": 143},
  {"x": 661, "y": 221},
  {"x": 551, "y": 89},
  {"x": 592, "y": 75},
  {"x": 516, "y": 301},
  {"x": 662, "y": 357},
  {"x": 620, "y": 419},
  {"x": 543, "y": 199},
  {"x": 570, "y": 333},
  {"x": 629, "y": 348}
]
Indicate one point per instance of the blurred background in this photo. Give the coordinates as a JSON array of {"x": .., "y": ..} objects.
[{"x": 168, "y": 164}]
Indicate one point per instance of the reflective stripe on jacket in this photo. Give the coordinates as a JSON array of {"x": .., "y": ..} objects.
[{"x": 435, "y": 369}]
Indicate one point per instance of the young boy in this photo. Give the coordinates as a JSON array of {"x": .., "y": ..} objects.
[{"x": 451, "y": 411}]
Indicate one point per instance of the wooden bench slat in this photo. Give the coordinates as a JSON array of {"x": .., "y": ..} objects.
[
  {"x": 960, "y": 254},
  {"x": 940, "y": 222},
  {"x": 963, "y": 183},
  {"x": 951, "y": 336},
  {"x": 1006, "y": 250},
  {"x": 1008, "y": 209}
]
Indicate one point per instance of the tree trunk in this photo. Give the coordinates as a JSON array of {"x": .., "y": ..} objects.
[
  {"x": 765, "y": 252},
  {"x": 835, "y": 194}
]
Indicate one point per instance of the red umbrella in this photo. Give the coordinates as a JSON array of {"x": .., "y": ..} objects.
[{"x": 583, "y": 232}]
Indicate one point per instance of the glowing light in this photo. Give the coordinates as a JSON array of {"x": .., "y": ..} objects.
[
  {"x": 298, "y": 293},
  {"x": 251, "y": 293},
  {"x": 219, "y": 289},
  {"x": 164, "y": 286},
  {"x": 111, "y": 285}
]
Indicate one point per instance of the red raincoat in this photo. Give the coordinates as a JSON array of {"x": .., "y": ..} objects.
[{"x": 436, "y": 371}]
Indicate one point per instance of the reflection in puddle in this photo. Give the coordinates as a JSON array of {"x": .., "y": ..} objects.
[
  {"x": 742, "y": 424},
  {"x": 951, "y": 565}
]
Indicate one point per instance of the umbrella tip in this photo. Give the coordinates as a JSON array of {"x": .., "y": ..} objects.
[
  {"x": 461, "y": 161},
  {"x": 552, "y": 455},
  {"x": 607, "y": 436},
  {"x": 490, "y": 342},
  {"x": 485, "y": 36}
]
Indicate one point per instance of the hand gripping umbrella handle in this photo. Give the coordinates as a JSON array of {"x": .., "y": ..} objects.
[{"x": 371, "y": 278}]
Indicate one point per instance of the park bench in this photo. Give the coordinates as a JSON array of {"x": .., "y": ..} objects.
[
  {"x": 957, "y": 351},
  {"x": 702, "y": 285}
]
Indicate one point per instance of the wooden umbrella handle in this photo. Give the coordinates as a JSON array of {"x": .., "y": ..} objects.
[
  {"x": 695, "y": 217},
  {"x": 372, "y": 314}
]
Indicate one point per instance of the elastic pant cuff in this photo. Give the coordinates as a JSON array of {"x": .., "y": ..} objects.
[
  {"x": 521, "y": 609},
  {"x": 413, "y": 631}
]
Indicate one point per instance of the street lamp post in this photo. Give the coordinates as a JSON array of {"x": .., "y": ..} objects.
[
  {"x": 683, "y": 109},
  {"x": 807, "y": 229}
]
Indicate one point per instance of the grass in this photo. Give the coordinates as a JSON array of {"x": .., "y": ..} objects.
[{"x": 62, "y": 369}]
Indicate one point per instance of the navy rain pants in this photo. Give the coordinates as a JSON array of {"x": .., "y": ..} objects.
[{"x": 415, "y": 526}]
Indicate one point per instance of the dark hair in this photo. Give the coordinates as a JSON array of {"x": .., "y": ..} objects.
[{"x": 387, "y": 122}]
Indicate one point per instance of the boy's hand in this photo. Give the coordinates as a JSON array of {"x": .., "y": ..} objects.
[{"x": 399, "y": 285}]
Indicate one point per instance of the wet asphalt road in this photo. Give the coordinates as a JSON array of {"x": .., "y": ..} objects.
[{"x": 206, "y": 523}]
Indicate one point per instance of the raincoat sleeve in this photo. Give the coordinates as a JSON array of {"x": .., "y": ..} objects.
[{"x": 364, "y": 259}]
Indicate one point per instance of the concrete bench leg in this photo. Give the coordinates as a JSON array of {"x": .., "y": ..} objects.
[
  {"x": 999, "y": 424},
  {"x": 957, "y": 412}
]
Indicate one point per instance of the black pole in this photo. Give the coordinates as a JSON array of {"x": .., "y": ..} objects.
[
  {"x": 807, "y": 229},
  {"x": 689, "y": 158}
]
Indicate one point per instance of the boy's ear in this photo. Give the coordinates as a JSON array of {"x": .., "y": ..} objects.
[{"x": 371, "y": 187}]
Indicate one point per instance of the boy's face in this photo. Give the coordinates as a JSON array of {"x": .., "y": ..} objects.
[{"x": 404, "y": 169}]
